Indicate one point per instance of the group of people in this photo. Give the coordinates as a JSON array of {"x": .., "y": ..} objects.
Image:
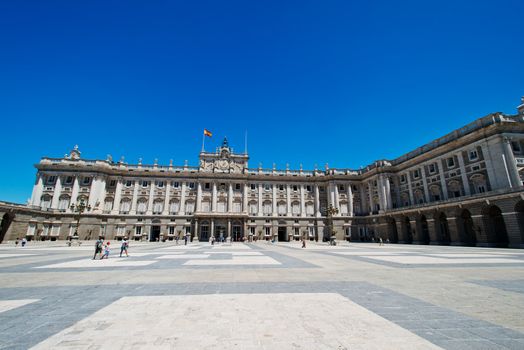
[
  {"x": 104, "y": 249},
  {"x": 23, "y": 242}
]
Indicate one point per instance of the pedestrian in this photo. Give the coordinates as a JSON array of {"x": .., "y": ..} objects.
[
  {"x": 380, "y": 242},
  {"x": 98, "y": 247},
  {"x": 177, "y": 238},
  {"x": 213, "y": 240},
  {"x": 124, "y": 246},
  {"x": 24, "y": 241},
  {"x": 185, "y": 240},
  {"x": 303, "y": 242},
  {"x": 16, "y": 242},
  {"x": 107, "y": 250}
]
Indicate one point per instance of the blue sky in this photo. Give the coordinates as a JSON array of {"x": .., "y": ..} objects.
[{"x": 342, "y": 82}]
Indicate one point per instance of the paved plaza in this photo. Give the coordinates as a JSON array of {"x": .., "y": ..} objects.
[{"x": 261, "y": 296}]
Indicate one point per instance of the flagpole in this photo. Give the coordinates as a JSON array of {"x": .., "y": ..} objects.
[{"x": 203, "y": 140}]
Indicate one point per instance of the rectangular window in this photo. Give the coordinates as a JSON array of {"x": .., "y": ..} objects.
[
  {"x": 175, "y": 184},
  {"x": 191, "y": 185},
  {"x": 403, "y": 178},
  {"x": 321, "y": 188},
  {"x": 473, "y": 155},
  {"x": 207, "y": 186},
  {"x": 432, "y": 168},
  {"x": 51, "y": 179},
  {"x": 69, "y": 180},
  {"x": 295, "y": 188},
  {"x": 451, "y": 162},
  {"x": 281, "y": 187},
  {"x": 253, "y": 187},
  {"x": 112, "y": 183},
  {"x": 160, "y": 184},
  {"x": 145, "y": 183},
  {"x": 416, "y": 174},
  {"x": 341, "y": 188},
  {"x": 86, "y": 180},
  {"x": 129, "y": 183},
  {"x": 267, "y": 187},
  {"x": 515, "y": 145},
  {"x": 308, "y": 188},
  {"x": 237, "y": 187}
]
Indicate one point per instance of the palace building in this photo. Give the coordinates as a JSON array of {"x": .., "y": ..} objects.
[{"x": 464, "y": 188}]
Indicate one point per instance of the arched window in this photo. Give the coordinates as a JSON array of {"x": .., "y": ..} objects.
[
  {"x": 63, "y": 204},
  {"x": 108, "y": 204},
  {"x": 454, "y": 189},
  {"x": 253, "y": 208},
  {"x": 174, "y": 206},
  {"x": 141, "y": 207},
  {"x": 479, "y": 183},
  {"x": 419, "y": 196},
  {"x": 125, "y": 205},
  {"x": 158, "y": 206},
  {"x": 434, "y": 191},
  {"x": 295, "y": 208},
  {"x": 310, "y": 209},
  {"x": 46, "y": 202},
  {"x": 221, "y": 206},
  {"x": 281, "y": 208},
  {"x": 267, "y": 208},
  {"x": 190, "y": 207}
]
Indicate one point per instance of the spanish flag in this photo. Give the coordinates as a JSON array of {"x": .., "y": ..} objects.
[{"x": 208, "y": 133}]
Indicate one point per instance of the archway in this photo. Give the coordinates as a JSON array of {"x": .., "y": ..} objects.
[
  {"x": 204, "y": 231},
  {"x": 424, "y": 230},
  {"x": 7, "y": 219},
  {"x": 154, "y": 235},
  {"x": 519, "y": 210},
  {"x": 236, "y": 231},
  {"x": 441, "y": 225},
  {"x": 392, "y": 230},
  {"x": 495, "y": 226},
  {"x": 466, "y": 228},
  {"x": 406, "y": 231}
]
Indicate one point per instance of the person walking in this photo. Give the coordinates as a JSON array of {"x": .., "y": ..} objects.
[
  {"x": 185, "y": 240},
  {"x": 107, "y": 250},
  {"x": 16, "y": 242},
  {"x": 98, "y": 247},
  {"x": 303, "y": 242},
  {"x": 24, "y": 242},
  {"x": 124, "y": 246}
]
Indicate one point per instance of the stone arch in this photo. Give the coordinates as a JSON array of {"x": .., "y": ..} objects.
[
  {"x": 454, "y": 189},
  {"x": 495, "y": 226},
  {"x": 442, "y": 228},
  {"x": 479, "y": 183},
  {"x": 435, "y": 192},
  {"x": 519, "y": 212},
  {"x": 392, "y": 230},
  {"x": 204, "y": 229},
  {"x": 7, "y": 219},
  {"x": 466, "y": 228},
  {"x": 407, "y": 231},
  {"x": 423, "y": 230}
]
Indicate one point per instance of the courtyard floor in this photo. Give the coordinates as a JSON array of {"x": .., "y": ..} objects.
[{"x": 261, "y": 296}]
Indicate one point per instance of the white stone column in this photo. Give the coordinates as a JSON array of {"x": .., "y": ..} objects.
[
  {"x": 350, "y": 199},
  {"x": 135, "y": 198},
  {"x": 212, "y": 229},
  {"x": 57, "y": 192},
  {"x": 511, "y": 163},
  {"x": 214, "y": 198},
  {"x": 410, "y": 188},
  {"x": 260, "y": 200},
  {"x": 336, "y": 198},
  {"x": 492, "y": 179},
  {"x": 370, "y": 195},
  {"x": 101, "y": 198},
  {"x": 38, "y": 189},
  {"x": 317, "y": 201},
  {"x": 329, "y": 193},
  {"x": 118, "y": 197},
  {"x": 463, "y": 175},
  {"x": 75, "y": 191},
  {"x": 182, "y": 209},
  {"x": 94, "y": 191},
  {"x": 230, "y": 198},
  {"x": 288, "y": 200},
  {"x": 387, "y": 189},
  {"x": 425, "y": 183},
  {"x": 302, "y": 201},
  {"x": 245, "y": 205},
  {"x": 443, "y": 185},
  {"x": 275, "y": 213},
  {"x": 381, "y": 192},
  {"x": 199, "y": 197},
  {"x": 167, "y": 198},
  {"x": 363, "y": 200},
  {"x": 151, "y": 197}
]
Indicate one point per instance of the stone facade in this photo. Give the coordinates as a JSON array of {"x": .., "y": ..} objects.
[{"x": 463, "y": 188}]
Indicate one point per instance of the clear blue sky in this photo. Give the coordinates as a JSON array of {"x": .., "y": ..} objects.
[{"x": 343, "y": 82}]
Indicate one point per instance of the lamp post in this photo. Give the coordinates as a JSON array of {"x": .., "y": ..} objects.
[
  {"x": 79, "y": 209},
  {"x": 331, "y": 211}
]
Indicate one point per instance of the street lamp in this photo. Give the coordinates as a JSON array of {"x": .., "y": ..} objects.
[
  {"x": 331, "y": 211},
  {"x": 80, "y": 208}
]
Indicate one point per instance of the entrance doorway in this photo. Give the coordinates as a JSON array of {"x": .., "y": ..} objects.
[
  {"x": 282, "y": 234},
  {"x": 155, "y": 234},
  {"x": 204, "y": 232},
  {"x": 220, "y": 232},
  {"x": 237, "y": 233},
  {"x": 4, "y": 226}
]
